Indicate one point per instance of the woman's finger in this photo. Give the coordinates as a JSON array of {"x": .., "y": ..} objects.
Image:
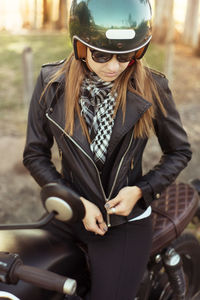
[
  {"x": 119, "y": 209},
  {"x": 101, "y": 223},
  {"x": 96, "y": 227},
  {"x": 112, "y": 203},
  {"x": 112, "y": 210},
  {"x": 99, "y": 218},
  {"x": 103, "y": 226},
  {"x": 97, "y": 230}
]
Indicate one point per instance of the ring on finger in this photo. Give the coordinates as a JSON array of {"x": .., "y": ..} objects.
[{"x": 113, "y": 209}]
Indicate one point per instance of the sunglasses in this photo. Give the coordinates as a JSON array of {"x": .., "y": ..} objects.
[{"x": 103, "y": 57}]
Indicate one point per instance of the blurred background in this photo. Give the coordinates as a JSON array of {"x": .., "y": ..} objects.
[{"x": 35, "y": 32}]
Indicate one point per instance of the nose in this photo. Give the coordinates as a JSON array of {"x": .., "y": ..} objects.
[{"x": 113, "y": 64}]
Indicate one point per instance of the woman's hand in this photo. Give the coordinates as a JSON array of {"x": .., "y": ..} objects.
[
  {"x": 124, "y": 202},
  {"x": 93, "y": 220}
]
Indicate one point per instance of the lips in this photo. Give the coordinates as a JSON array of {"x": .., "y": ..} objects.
[{"x": 110, "y": 74}]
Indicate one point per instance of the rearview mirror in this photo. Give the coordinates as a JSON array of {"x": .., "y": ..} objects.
[{"x": 62, "y": 200}]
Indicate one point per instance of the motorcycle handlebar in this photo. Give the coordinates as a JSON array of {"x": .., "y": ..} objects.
[
  {"x": 12, "y": 270},
  {"x": 45, "y": 279}
]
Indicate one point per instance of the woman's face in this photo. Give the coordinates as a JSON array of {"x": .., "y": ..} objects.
[{"x": 107, "y": 71}]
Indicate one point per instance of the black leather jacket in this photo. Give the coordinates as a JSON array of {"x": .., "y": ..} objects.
[{"x": 123, "y": 164}]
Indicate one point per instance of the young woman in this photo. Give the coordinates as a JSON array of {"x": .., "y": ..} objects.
[{"x": 100, "y": 106}]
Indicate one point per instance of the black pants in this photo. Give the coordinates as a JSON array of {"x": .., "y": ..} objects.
[{"x": 118, "y": 260}]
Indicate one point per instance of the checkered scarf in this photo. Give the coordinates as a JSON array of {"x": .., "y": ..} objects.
[{"x": 97, "y": 106}]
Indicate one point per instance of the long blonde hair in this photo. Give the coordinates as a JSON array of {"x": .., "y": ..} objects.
[{"x": 75, "y": 71}]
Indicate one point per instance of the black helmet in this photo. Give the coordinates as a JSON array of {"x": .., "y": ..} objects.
[{"x": 114, "y": 26}]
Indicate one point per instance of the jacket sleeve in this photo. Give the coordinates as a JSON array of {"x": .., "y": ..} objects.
[
  {"x": 39, "y": 140},
  {"x": 174, "y": 145}
]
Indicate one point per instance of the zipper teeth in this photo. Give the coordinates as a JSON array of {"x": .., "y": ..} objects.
[
  {"x": 77, "y": 145},
  {"x": 120, "y": 164},
  {"x": 119, "y": 167}
]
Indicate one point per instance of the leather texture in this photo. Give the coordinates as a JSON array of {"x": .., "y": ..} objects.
[
  {"x": 172, "y": 213},
  {"x": 46, "y": 123}
]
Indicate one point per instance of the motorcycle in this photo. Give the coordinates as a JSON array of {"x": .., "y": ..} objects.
[{"x": 36, "y": 264}]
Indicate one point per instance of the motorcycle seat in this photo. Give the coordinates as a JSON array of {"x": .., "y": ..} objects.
[{"x": 172, "y": 213}]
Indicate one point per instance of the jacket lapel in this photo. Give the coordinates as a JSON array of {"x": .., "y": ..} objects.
[
  {"x": 81, "y": 138},
  {"x": 58, "y": 115},
  {"x": 136, "y": 106}
]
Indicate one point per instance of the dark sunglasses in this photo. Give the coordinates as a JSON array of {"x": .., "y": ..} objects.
[{"x": 103, "y": 57}]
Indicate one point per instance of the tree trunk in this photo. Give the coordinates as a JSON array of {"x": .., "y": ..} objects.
[
  {"x": 164, "y": 32},
  {"x": 198, "y": 48},
  {"x": 163, "y": 20},
  {"x": 35, "y": 15},
  {"x": 26, "y": 15},
  {"x": 68, "y": 12},
  {"x": 62, "y": 21},
  {"x": 190, "y": 34},
  {"x": 46, "y": 13}
]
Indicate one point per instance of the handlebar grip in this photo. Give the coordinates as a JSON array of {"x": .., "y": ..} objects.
[{"x": 45, "y": 279}]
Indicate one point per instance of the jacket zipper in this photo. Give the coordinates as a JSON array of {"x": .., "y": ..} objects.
[
  {"x": 77, "y": 145},
  {"x": 119, "y": 167}
]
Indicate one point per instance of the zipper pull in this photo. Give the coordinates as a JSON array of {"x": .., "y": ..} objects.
[{"x": 108, "y": 221}]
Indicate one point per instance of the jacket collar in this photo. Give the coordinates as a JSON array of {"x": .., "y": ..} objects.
[
  {"x": 136, "y": 106},
  {"x": 50, "y": 69}
]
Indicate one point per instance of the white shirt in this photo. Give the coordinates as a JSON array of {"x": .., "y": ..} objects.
[{"x": 145, "y": 214}]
